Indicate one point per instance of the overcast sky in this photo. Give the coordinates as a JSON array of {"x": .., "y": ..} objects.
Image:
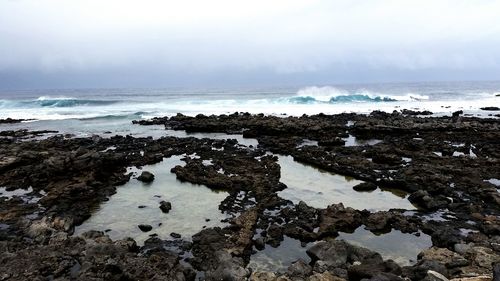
[{"x": 120, "y": 43}]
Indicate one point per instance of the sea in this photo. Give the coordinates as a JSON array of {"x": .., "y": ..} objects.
[
  {"x": 109, "y": 112},
  {"x": 84, "y": 112}
]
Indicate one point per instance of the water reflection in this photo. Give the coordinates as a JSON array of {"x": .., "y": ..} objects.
[
  {"x": 319, "y": 189},
  {"x": 193, "y": 206},
  {"x": 401, "y": 247}
]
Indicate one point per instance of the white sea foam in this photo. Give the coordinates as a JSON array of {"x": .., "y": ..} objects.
[
  {"x": 44, "y": 98},
  {"x": 308, "y": 100},
  {"x": 321, "y": 93}
]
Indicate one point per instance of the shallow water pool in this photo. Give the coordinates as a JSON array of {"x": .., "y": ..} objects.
[
  {"x": 319, "y": 189},
  {"x": 403, "y": 248},
  {"x": 193, "y": 206},
  {"x": 280, "y": 258}
]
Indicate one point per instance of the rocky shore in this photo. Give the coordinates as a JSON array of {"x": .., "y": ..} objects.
[{"x": 445, "y": 164}]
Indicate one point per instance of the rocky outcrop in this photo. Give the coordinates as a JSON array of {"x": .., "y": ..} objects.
[{"x": 443, "y": 165}]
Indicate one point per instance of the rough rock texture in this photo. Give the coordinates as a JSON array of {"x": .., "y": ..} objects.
[
  {"x": 443, "y": 165},
  {"x": 165, "y": 207}
]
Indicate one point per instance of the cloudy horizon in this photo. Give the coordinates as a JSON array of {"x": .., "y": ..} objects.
[{"x": 59, "y": 44}]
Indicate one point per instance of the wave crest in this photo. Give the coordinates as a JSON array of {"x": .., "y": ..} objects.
[
  {"x": 47, "y": 101},
  {"x": 334, "y": 95}
]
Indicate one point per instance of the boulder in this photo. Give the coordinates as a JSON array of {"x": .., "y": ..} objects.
[
  {"x": 365, "y": 186},
  {"x": 146, "y": 177},
  {"x": 145, "y": 227},
  {"x": 165, "y": 206},
  {"x": 299, "y": 269},
  {"x": 333, "y": 253}
]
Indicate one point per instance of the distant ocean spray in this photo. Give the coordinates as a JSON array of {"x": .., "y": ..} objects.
[{"x": 441, "y": 98}]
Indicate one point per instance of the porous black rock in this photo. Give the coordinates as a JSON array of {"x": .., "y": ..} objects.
[{"x": 165, "y": 206}]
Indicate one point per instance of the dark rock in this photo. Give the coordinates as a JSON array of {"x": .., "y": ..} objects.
[
  {"x": 76, "y": 176},
  {"x": 92, "y": 234},
  {"x": 145, "y": 227},
  {"x": 229, "y": 268},
  {"x": 420, "y": 270},
  {"x": 414, "y": 113},
  {"x": 146, "y": 177},
  {"x": 11, "y": 121},
  {"x": 259, "y": 243},
  {"x": 496, "y": 272},
  {"x": 333, "y": 253},
  {"x": 371, "y": 268},
  {"x": 165, "y": 206},
  {"x": 446, "y": 238},
  {"x": 299, "y": 269},
  {"x": 387, "y": 159},
  {"x": 425, "y": 200},
  {"x": 175, "y": 235},
  {"x": 365, "y": 186},
  {"x": 490, "y": 108},
  {"x": 275, "y": 235},
  {"x": 331, "y": 142}
]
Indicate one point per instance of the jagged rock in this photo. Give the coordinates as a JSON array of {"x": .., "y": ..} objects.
[
  {"x": 299, "y": 269},
  {"x": 228, "y": 268},
  {"x": 443, "y": 256},
  {"x": 165, "y": 206},
  {"x": 423, "y": 266},
  {"x": 333, "y": 253}
]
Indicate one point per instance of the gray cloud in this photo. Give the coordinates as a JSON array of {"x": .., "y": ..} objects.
[{"x": 55, "y": 43}]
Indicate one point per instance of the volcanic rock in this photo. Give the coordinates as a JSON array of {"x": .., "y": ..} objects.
[
  {"x": 146, "y": 177},
  {"x": 145, "y": 227},
  {"x": 165, "y": 206}
]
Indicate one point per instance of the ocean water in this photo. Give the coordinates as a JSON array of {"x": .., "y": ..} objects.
[
  {"x": 84, "y": 112},
  {"x": 107, "y": 112},
  {"x": 86, "y": 104}
]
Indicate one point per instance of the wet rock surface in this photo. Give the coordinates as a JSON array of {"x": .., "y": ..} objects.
[
  {"x": 165, "y": 206},
  {"x": 146, "y": 177},
  {"x": 65, "y": 179}
]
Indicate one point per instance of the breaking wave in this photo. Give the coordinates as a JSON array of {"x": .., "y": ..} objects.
[
  {"x": 334, "y": 95},
  {"x": 46, "y": 101}
]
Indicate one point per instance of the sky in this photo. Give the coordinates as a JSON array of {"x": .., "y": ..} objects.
[{"x": 153, "y": 43}]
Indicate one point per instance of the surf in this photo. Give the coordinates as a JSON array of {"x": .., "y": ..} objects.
[
  {"x": 329, "y": 94},
  {"x": 47, "y": 101}
]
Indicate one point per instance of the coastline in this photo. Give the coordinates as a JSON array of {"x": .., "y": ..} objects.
[{"x": 443, "y": 163}]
